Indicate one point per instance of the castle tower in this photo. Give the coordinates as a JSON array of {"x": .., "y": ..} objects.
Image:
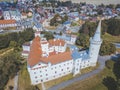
[{"x": 95, "y": 43}]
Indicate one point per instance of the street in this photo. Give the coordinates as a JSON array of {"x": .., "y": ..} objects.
[{"x": 101, "y": 60}]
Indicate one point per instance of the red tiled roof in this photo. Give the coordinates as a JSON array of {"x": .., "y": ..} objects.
[
  {"x": 7, "y": 21},
  {"x": 57, "y": 58},
  {"x": 35, "y": 52},
  {"x": 56, "y": 42}
]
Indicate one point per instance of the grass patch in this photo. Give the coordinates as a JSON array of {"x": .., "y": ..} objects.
[
  {"x": 89, "y": 69},
  {"x": 93, "y": 82},
  {"x": 68, "y": 77},
  {"x": 24, "y": 82},
  {"x": 110, "y": 38},
  {"x": 57, "y": 81}
]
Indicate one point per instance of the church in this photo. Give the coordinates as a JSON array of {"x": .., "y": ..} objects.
[{"x": 50, "y": 59}]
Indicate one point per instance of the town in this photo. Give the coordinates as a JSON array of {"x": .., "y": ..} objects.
[{"x": 54, "y": 44}]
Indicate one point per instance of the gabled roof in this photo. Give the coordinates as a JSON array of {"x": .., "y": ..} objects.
[
  {"x": 7, "y": 21},
  {"x": 57, "y": 58},
  {"x": 35, "y": 52},
  {"x": 56, "y": 42}
]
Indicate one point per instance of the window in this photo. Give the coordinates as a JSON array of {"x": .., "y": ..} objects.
[
  {"x": 40, "y": 75},
  {"x": 51, "y": 68},
  {"x": 34, "y": 72},
  {"x": 36, "y": 81},
  {"x": 46, "y": 78},
  {"x": 46, "y": 74},
  {"x": 61, "y": 69},
  {"x": 35, "y": 76},
  {"x": 41, "y": 80},
  {"x": 67, "y": 67},
  {"x": 46, "y": 70},
  {"x": 55, "y": 72}
]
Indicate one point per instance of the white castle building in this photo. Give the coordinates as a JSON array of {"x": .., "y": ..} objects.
[{"x": 48, "y": 60}]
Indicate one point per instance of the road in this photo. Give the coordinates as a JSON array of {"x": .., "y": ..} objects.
[
  {"x": 16, "y": 82},
  {"x": 101, "y": 60}
]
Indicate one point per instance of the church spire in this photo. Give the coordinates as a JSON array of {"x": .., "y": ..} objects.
[{"x": 97, "y": 36}]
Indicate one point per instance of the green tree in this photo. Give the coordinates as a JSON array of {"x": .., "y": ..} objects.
[
  {"x": 110, "y": 64},
  {"x": 113, "y": 26},
  {"x": 118, "y": 84},
  {"x": 107, "y": 48},
  {"x": 82, "y": 40},
  {"x": 9, "y": 66},
  {"x": 48, "y": 35},
  {"x": 12, "y": 44}
]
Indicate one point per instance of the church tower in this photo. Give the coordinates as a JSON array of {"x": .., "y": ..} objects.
[{"x": 95, "y": 43}]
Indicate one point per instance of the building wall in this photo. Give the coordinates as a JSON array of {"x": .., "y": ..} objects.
[
  {"x": 94, "y": 51},
  {"x": 50, "y": 72},
  {"x": 26, "y": 48}
]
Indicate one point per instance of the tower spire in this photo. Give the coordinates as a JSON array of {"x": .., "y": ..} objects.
[{"x": 97, "y": 36}]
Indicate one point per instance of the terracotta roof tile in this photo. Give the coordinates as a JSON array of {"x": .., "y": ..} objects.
[
  {"x": 56, "y": 42},
  {"x": 57, "y": 58},
  {"x": 35, "y": 52},
  {"x": 7, "y": 21}
]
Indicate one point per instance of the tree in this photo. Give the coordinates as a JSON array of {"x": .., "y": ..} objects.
[
  {"x": 113, "y": 26},
  {"x": 82, "y": 40},
  {"x": 9, "y": 66},
  {"x": 118, "y": 84},
  {"x": 88, "y": 28},
  {"x": 13, "y": 44},
  {"x": 48, "y": 35},
  {"x": 110, "y": 64},
  {"x": 110, "y": 83},
  {"x": 107, "y": 48}
]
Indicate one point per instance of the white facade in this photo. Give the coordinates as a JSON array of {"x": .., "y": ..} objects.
[
  {"x": 45, "y": 71},
  {"x": 12, "y": 15}
]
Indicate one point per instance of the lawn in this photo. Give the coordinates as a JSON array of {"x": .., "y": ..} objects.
[
  {"x": 68, "y": 77},
  {"x": 57, "y": 81},
  {"x": 93, "y": 82},
  {"x": 24, "y": 79},
  {"x": 110, "y": 38}
]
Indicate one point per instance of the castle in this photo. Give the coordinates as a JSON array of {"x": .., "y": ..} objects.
[{"x": 48, "y": 60}]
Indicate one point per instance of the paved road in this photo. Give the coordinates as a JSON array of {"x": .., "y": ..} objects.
[
  {"x": 101, "y": 60},
  {"x": 16, "y": 82}
]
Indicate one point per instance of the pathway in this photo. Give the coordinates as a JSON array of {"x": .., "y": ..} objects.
[
  {"x": 101, "y": 60},
  {"x": 16, "y": 82}
]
